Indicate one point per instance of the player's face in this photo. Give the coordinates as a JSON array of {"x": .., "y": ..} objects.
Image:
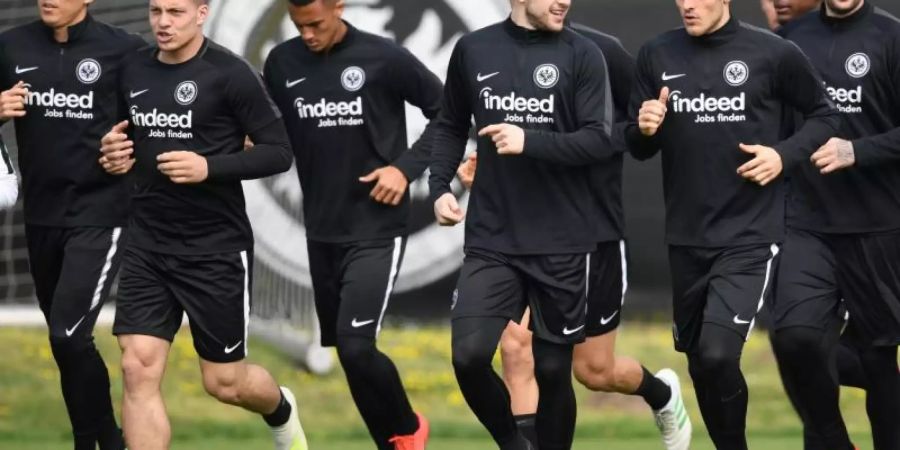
[
  {"x": 768, "y": 9},
  {"x": 548, "y": 15},
  {"x": 318, "y": 23},
  {"x": 843, "y": 7},
  {"x": 176, "y": 23},
  {"x": 62, "y": 13},
  {"x": 788, "y": 10},
  {"x": 703, "y": 17}
]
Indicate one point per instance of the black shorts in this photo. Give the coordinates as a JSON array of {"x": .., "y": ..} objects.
[
  {"x": 722, "y": 286},
  {"x": 352, "y": 283},
  {"x": 73, "y": 271},
  {"x": 806, "y": 289},
  {"x": 156, "y": 290},
  {"x": 554, "y": 286},
  {"x": 869, "y": 279},
  {"x": 606, "y": 291}
]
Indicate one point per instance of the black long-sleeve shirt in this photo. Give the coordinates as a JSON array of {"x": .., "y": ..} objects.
[
  {"x": 206, "y": 105},
  {"x": 553, "y": 85},
  {"x": 859, "y": 59},
  {"x": 736, "y": 85},
  {"x": 71, "y": 104},
  {"x": 607, "y": 176},
  {"x": 346, "y": 116}
]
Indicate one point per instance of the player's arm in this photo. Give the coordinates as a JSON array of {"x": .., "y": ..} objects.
[
  {"x": 646, "y": 111},
  {"x": 451, "y": 129},
  {"x": 414, "y": 83},
  {"x": 881, "y": 148},
  {"x": 802, "y": 88},
  {"x": 261, "y": 121},
  {"x": 622, "y": 69},
  {"x": 9, "y": 183},
  {"x": 592, "y": 141},
  {"x": 116, "y": 146}
]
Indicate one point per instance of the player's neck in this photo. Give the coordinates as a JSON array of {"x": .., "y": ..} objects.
[
  {"x": 61, "y": 34},
  {"x": 519, "y": 17},
  {"x": 726, "y": 17},
  {"x": 339, "y": 36},
  {"x": 184, "y": 53},
  {"x": 839, "y": 15}
]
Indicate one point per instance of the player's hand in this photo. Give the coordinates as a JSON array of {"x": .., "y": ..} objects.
[
  {"x": 466, "y": 170},
  {"x": 653, "y": 113},
  {"x": 764, "y": 167},
  {"x": 836, "y": 154},
  {"x": 509, "y": 139},
  {"x": 12, "y": 101},
  {"x": 183, "y": 167},
  {"x": 390, "y": 185},
  {"x": 117, "y": 150},
  {"x": 447, "y": 210},
  {"x": 248, "y": 144}
]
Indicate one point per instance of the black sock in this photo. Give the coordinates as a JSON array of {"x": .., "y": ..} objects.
[
  {"x": 281, "y": 415},
  {"x": 555, "y": 422},
  {"x": 525, "y": 424},
  {"x": 654, "y": 391}
]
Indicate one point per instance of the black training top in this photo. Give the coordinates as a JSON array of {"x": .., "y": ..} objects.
[
  {"x": 859, "y": 59},
  {"x": 346, "y": 116},
  {"x": 736, "y": 85},
  {"x": 70, "y": 106},
  {"x": 206, "y": 105},
  {"x": 553, "y": 85}
]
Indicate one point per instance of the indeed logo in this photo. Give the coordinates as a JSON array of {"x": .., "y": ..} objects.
[
  {"x": 846, "y": 95},
  {"x": 514, "y": 103},
  {"x": 704, "y": 104},
  {"x": 53, "y": 99},
  {"x": 323, "y": 108},
  {"x": 155, "y": 118}
]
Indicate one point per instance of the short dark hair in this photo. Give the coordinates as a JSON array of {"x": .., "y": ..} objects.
[{"x": 307, "y": 2}]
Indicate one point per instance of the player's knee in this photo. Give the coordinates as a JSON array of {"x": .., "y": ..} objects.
[
  {"x": 140, "y": 369},
  {"x": 595, "y": 375},
  {"x": 224, "y": 387},
  {"x": 796, "y": 343},
  {"x": 716, "y": 360},
  {"x": 355, "y": 352},
  {"x": 468, "y": 358},
  {"x": 74, "y": 348},
  {"x": 518, "y": 361},
  {"x": 553, "y": 366}
]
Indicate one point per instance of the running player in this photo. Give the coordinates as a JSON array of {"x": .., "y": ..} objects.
[
  {"x": 718, "y": 93},
  {"x": 190, "y": 104},
  {"x": 342, "y": 93},
  {"x": 540, "y": 99},
  {"x": 595, "y": 363},
  {"x": 851, "y": 211},
  {"x": 59, "y": 75}
]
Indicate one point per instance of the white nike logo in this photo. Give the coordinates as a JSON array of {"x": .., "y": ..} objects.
[
  {"x": 567, "y": 331},
  {"x": 291, "y": 84},
  {"x": 25, "y": 69},
  {"x": 135, "y": 94},
  {"x": 606, "y": 320},
  {"x": 738, "y": 320},
  {"x": 356, "y": 324},
  {"x": 481, "y": 77},
  {"x": 666, "y": 77},
  {"x": 70, "y": 331},
  {"x": 228, "y": 350}
]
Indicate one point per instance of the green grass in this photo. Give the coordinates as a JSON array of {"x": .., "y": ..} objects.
[{"x": 32, "y": 415}]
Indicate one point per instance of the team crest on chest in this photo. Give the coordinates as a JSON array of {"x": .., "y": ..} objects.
[
  {"x": 353, "y": 78},
  {"x": 546, "y": 76},
  {"x": 88, "y": 71},
  {"x": 186, "y": 93},
  {"x": 858, "y": 65},
  {"x": 736, "y": 73}
]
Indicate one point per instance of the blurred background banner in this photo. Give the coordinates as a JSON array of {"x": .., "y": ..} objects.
[{"x": 429, "y": 28}]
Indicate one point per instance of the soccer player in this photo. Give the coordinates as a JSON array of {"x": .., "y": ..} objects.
[
  {"x": 9, "y": 182},
  {"x": 843, "y": 222},
  {"x": 59, "y": 75},
  {"x": 540, "y": 99},
  {"x": 342, "y": 92},
  {"x": 780, "y": 12},
  {"x": 595, "y": 363},
  {"x": 190, "y": 104},
  {"x": 719, "y": 92}
]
